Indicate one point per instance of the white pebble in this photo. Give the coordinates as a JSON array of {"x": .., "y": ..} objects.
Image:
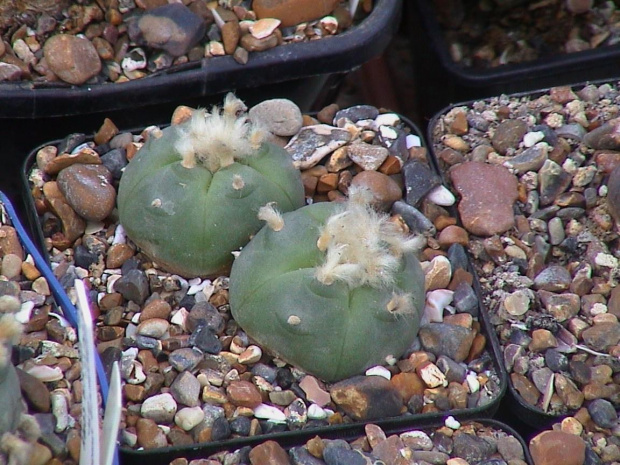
[
  {"x": 23, "y": 315},
  {"x": 388, "y": 132},
  {"x": 605, "y": 259},
  {"x": 379, "y": 371},
  {"x": 179, "y": 318},
  {"x": 422, "y": 440},
  {"x": 60, "y": 410},
  {"x": 436, "y": 302},
  {"x": 45, "y": 373},
  {"x": 598, "y": 309},
  {"x": 413, "y": 141},
  {"x": 119, "y": 235},
  {"x": 93, "y": 227},
  {"x": 159, "y": 408},
  {"x": 452, "y": 423},
  {"x": 188, "y": 417},
  {"x": 472, "y": 382},
  {"x": 441, "y": 196},
  {"x": 195, "y": 288},
  {"x": 532, "y": 138},
  {"x": 387, "y": 119},
  {"x": 110, "y": 283},
  {"x": 269, "y": 412},
  {"x": 316, "y": 413}
]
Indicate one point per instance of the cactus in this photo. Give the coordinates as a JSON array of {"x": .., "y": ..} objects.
[
  {"x": 190, "y": 197},
  {"x": 332, "y": 288}
]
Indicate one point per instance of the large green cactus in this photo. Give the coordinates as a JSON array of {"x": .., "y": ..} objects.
[
  {"x": 331, "y": 288},
  {"x": 190, "y": 197}
]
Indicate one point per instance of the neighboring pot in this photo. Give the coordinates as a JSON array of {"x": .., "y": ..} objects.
[
  {"x": 486, "y": 440},
  {"x": 300, "y": 69},
  {"x": 477, "y": 393},
  {"x": 546, "y": 160},
  {"x": 448, "y": 81}
]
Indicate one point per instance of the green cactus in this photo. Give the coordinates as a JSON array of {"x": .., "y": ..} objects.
[
  {"x": 189, "y": 198},
  {"x": 331, "y": 288}
]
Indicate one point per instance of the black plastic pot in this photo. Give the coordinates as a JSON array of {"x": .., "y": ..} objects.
[
  {"x": 299, "y": 65},
  {"x": 446, "y": 82},
  {"x": 298, "y": 439},
  {"x": 164, "y": 455},
  {"x": 534, "y": 417}
]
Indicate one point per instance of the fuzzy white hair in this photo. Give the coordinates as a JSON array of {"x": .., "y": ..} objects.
[
  {"x": 218, "y": 138},
  {"x": 361, "y": 245}
]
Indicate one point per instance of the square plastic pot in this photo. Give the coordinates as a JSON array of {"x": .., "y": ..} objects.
[
  {"x": 164, "y": 455},
  {"x": 447, "y": 82},
  {"x": 299, "y": 69},
  {"x": 578, "y": 150}
]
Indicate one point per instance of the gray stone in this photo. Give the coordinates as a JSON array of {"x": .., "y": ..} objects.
[
  {"x": 281, "y": 117},
  {"x": 173, "y": 28},
  {"x": 133, "y": 286},
  {"x": 186, "y": 389},
  {"x": 603, "y": 413},
  {"x": 472, "y": 448},
  {"x": 355, "y": 114},
  {"x": 420, "y": 179}
]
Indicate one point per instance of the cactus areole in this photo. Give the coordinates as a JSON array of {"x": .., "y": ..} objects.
[
  {"x": 190, "y": 198},
  {"x": 330, "y": 288}
]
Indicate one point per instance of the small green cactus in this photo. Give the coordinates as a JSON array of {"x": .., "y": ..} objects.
[
  {"x": 332, "y": 288},
  {"x": 189, "y": 198}
]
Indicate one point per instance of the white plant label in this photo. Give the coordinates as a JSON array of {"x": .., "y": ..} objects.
[{"x": 90, "y": 451}]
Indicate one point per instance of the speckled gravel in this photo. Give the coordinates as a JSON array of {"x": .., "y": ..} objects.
[
  {"x": 549, "y": 275},
  {"x": 47, "y": 360},
  {"x": 55, "y": 43},
  {"x": 190, "y": 374}
]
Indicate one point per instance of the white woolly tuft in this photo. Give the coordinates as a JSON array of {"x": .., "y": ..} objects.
[
  {"x": 217, "y": 139},
  {"x": 270, "y": 215},
  {"x": 363, "y": 247},
  {"x": 17, "y": 449},
  {"x": 10, "y": 329}
]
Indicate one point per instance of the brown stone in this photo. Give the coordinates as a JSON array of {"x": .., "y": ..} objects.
[
  {"x": 88, "y": 189},
  {"x": 230, "y": 36},
  {"x": 10, "y": 243},
  {"x": 408, "y": 384},
  {"x": 557, "y": 448},
  {"x": 525, "y": 388},
  {"x": 118, "y": 254},
  {"x": 106, "y": 132},
  {"x": 156, "y": 308},
  {"x": 243, "y": 394},
  {"x": 453, "y": 234},
  {"x": 601, "y": 336},
  {"x": 269, "y": 453},
  {"x": 72, "y": 225},
  {"x": 252, "y": 44},
  {"x": 73, "y": 59},
  {"x": 367, "y": 397},
  {"x": 384, "y": 189},
  {"x": 488, "y": 193},
  {"x": 35, "y": 391},
  {"x": 542, "y": 339},
  {"x": 292, "y": 12},
  {"x": 150, "y": 436}
]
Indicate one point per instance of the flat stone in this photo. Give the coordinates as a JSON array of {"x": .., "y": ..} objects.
[
  {"x": 185, "y": 359},
  {"x": 561, "y": 306},
  {"x": 603, "y": 413},
  {"x": 408, "y": 384},
  {"x": 153, "y": 327},
  {"x": 553, "y": 278},
  {"x": 604, "y": 137},
  {"x": 354, "y": 114},
  {"x": 73, "y": 226},
  {"x": 367, "y": 397},
  {"x": 118, "y": 254},
  {"x": 314, "y": 391},
  {"x": 368, "y": 157},
  {"x": 531, "y": 159},
  {"x": 312, "y": 143},
  {"x": 569, "y": 393},
  {"x": 488, "y": 193},
  {"x": 552, "y": 181},
  {"x": 269, "y": 452},
  {"x": 73, "y": 59}
]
